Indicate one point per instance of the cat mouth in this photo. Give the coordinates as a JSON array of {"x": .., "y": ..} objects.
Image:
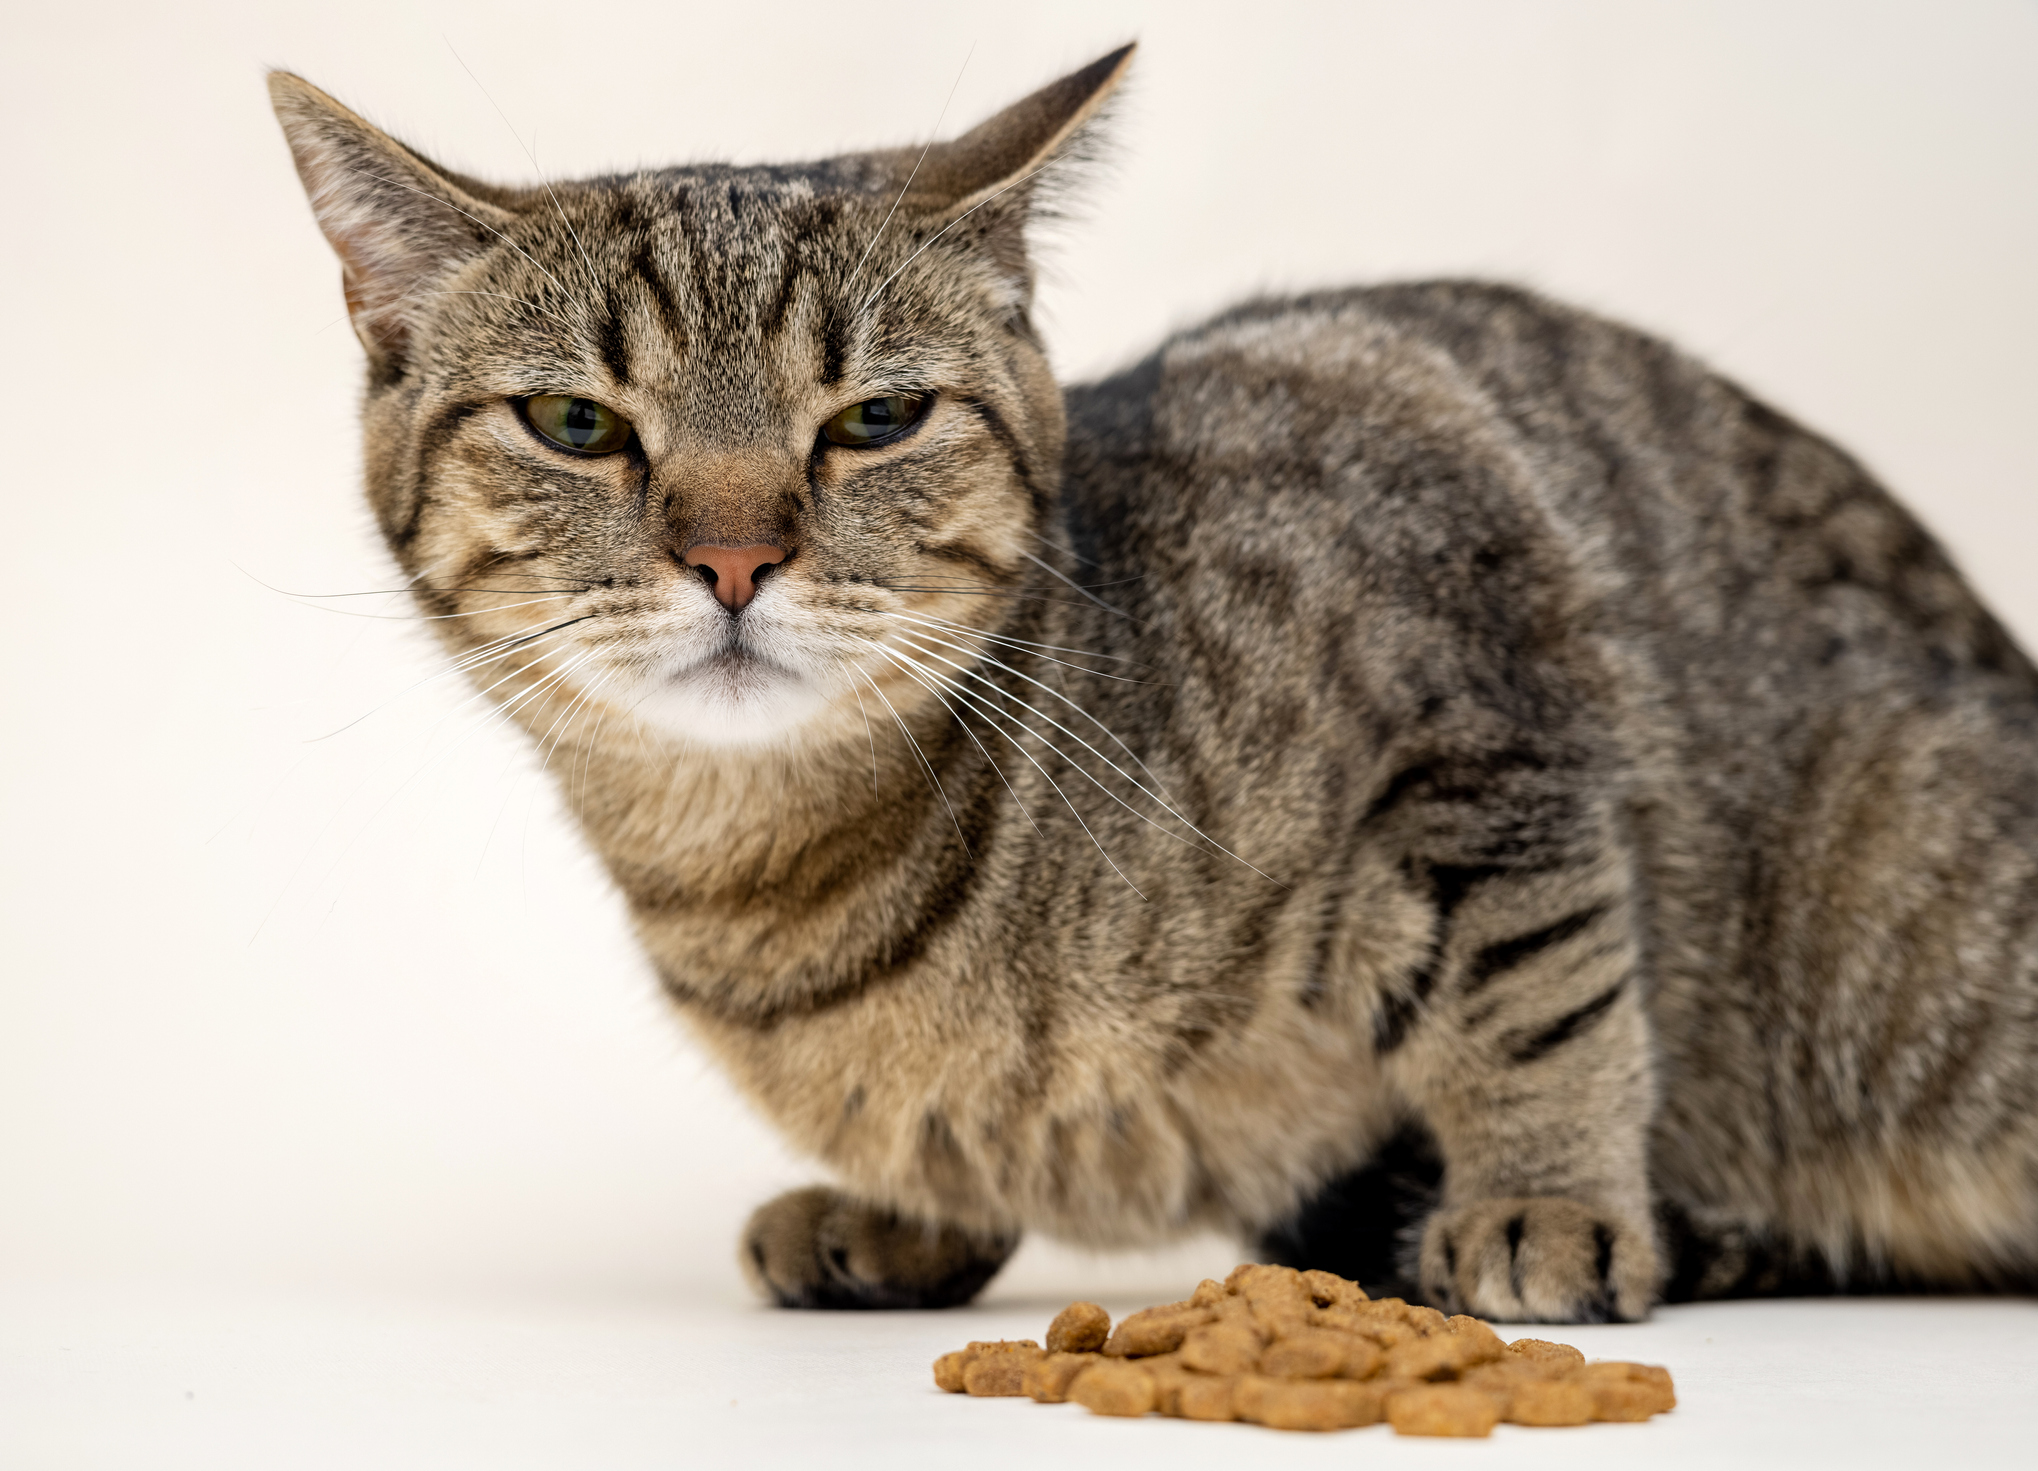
[{"x": 731, "y": 696}]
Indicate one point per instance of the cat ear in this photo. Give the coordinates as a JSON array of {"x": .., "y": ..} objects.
[
  {"x": 395, "y": 219},
  {"x": 994, "y": 172}
]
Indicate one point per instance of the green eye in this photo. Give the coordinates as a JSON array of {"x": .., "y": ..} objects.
[
  {"x": 874, "y": 420},
  {"x": 577, "y": 423}
]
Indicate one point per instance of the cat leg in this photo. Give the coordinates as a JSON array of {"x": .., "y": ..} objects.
[
  {"x": 819, "y": 1248},
  {"x": 1521, "y": 1043},
  {"x": 1538, "y": 1087}
]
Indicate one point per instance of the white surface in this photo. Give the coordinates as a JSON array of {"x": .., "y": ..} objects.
[
  {"x": 669, "y": 1382},
  {"x": 360, "y": 1015}
]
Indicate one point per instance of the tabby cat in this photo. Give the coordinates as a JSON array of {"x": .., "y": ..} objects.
[{"x": 1429, "y": 781}]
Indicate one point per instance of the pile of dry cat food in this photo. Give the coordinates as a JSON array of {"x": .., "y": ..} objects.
[{"x": 1307, "y": 1351}]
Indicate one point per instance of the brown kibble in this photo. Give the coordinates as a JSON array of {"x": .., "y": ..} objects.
[
  {"x": 1327, "y": 1289},
  {"x": 1280, "y": 1317},
  {"x": 1114, "y": 1387},
  {"x": 1317, "y": 1353},
  {"x": 1222, "y": 1348},
  {"x": 1306, "y": 1351},
  {"x": 1484, "y": 1344},
  {"x": 1155, "y": 1331},
  {"x": 948, "y": 1371},
  {"x": 1000, "y": 1370},
  {"x": 1442, "y": 1409},
  {"x": 950, "y": 1368},
  {"x": 1206, "y": 1397},
  {"x": 1169, "y": 1375},
  {"x": 1305, "y": 1404},
  {"x": 1542, "y": 1351},
  {"x": 1550, "y": 1402},
  {"x": 1440, "y": 1357},
  {"x": 1048, "y": 1378},
  {"x": 1363, "y": 1358},
  {"x": 1079, "y": 1328},
  {"x": 1268, "y": 1284},
  {"x": 1622, "y": 1391},
  {"x": 1424, "y": 1320},
  {"x": 1500, "y": 1377}
]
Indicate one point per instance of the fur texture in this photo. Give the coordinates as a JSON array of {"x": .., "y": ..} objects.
[{"x": 1425, "y": 713}]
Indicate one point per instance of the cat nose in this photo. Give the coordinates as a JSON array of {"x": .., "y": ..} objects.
[{"x": 733, "y": 571}]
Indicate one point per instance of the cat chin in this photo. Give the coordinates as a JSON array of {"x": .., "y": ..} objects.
[{"x": 731, "y": 705}]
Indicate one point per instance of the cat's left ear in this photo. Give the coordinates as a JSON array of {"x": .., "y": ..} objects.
[
  {"x": 994, "y": 174},
  {"x": 395, "y": 219}
]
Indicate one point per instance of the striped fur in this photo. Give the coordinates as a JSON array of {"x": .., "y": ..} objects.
[{"x": 1425, "y": 713}]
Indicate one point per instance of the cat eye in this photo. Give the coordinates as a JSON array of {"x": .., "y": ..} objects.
[
  {"x": 874, "y": 420},
  {"x": 578, "y": 424}
]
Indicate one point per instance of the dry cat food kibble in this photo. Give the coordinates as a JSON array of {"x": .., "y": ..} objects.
[{"x": 1306, "y": 1351}]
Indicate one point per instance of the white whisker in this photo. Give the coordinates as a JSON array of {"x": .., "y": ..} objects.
[
  {"x": 931, "y": 775},
  {"x": 1130, "y": 754},
  {"x": 865, "y": 306},
  {"x": 1050, "y": 570},
  {"x": 1073, "y": 812},
  {"x": 902, "y": 663},
  {"x": 1159, "y": 800},
  {"x": 932, "y": 134}
]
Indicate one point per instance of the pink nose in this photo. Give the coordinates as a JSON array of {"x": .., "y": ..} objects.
[{"x": 733, "y": 571}]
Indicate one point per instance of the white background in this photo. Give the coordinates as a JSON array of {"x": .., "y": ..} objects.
[{"x": 359, "y": 1013}]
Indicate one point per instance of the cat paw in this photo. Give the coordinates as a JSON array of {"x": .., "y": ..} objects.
[
  {"x": 817, "y": 1248},
  {"x": 1544, "y": 1260}
]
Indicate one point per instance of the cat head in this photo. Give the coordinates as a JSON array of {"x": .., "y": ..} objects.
[{"x": 688, "y": 442}]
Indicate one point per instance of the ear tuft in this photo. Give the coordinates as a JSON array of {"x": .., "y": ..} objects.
[
  {"x": 1024, "y": 140},
  {"x": 395, "y": 219}
]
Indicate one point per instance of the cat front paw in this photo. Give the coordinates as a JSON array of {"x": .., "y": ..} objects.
[
  {"x": 818, "y": 1248},
  {"x": 1539, "y": 1260}
]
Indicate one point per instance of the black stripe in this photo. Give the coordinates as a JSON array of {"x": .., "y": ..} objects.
[
  {"x": 1403, "y": 783},
  {"x": 1507, "y": 954},
  {"x": 782, "y": 300},
  {"x": 834, "y": 349},
  {"x": 992, "y": 420},
  {"x": 432, "y": 439},
  {"x": 615, "y": 352},
  {"x": 1565, "y": 1027},
  {"x": 1451, "y": 882},
  {"x": 646, "y": 267}
]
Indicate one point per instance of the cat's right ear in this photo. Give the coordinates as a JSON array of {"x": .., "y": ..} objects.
[{"x": 395, "y": 219}]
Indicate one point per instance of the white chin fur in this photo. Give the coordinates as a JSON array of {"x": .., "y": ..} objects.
[{"x": 730, "y": 704}]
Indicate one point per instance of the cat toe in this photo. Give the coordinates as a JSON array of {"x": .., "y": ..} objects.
[
  {"x": 818, "y": 1248},
  {"x": 1541, "y": 1260}
]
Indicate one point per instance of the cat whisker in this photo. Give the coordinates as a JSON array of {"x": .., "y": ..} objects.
[
  {"x": 498, "y": 718},
  {"x": 929, "y": 765},
  {"x": 865, "y": 306},
  {"x": 894, "y": 657},
  {"x": 426, "y": 193},
  {"x": 487, "y": 654},
  {"x": 967, "y": 592},
  {"x": 390, "y": 306},
  {"x": 1024, "y": 643},
  {"x": 1050, "y": 542},
  {"x": 1020, "y": 645},
  {"x": 593, "y": 741},
  {"x": 426, "y": 765},
  {"x": 1051, "y": 571},
  {"x": 1131, "y": 754},
  {"x": 871, "y": 736},
  {"x": 1157, "y": 798},
  {"x": 530, "y": 152},
  {"x": 933, "y": 134},
  {"x": 1046, "y": 776},
  {"x": 444, "y": 617}
]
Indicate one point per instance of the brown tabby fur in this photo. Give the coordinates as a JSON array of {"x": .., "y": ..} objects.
[{"x": 1540, "y": 745}]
